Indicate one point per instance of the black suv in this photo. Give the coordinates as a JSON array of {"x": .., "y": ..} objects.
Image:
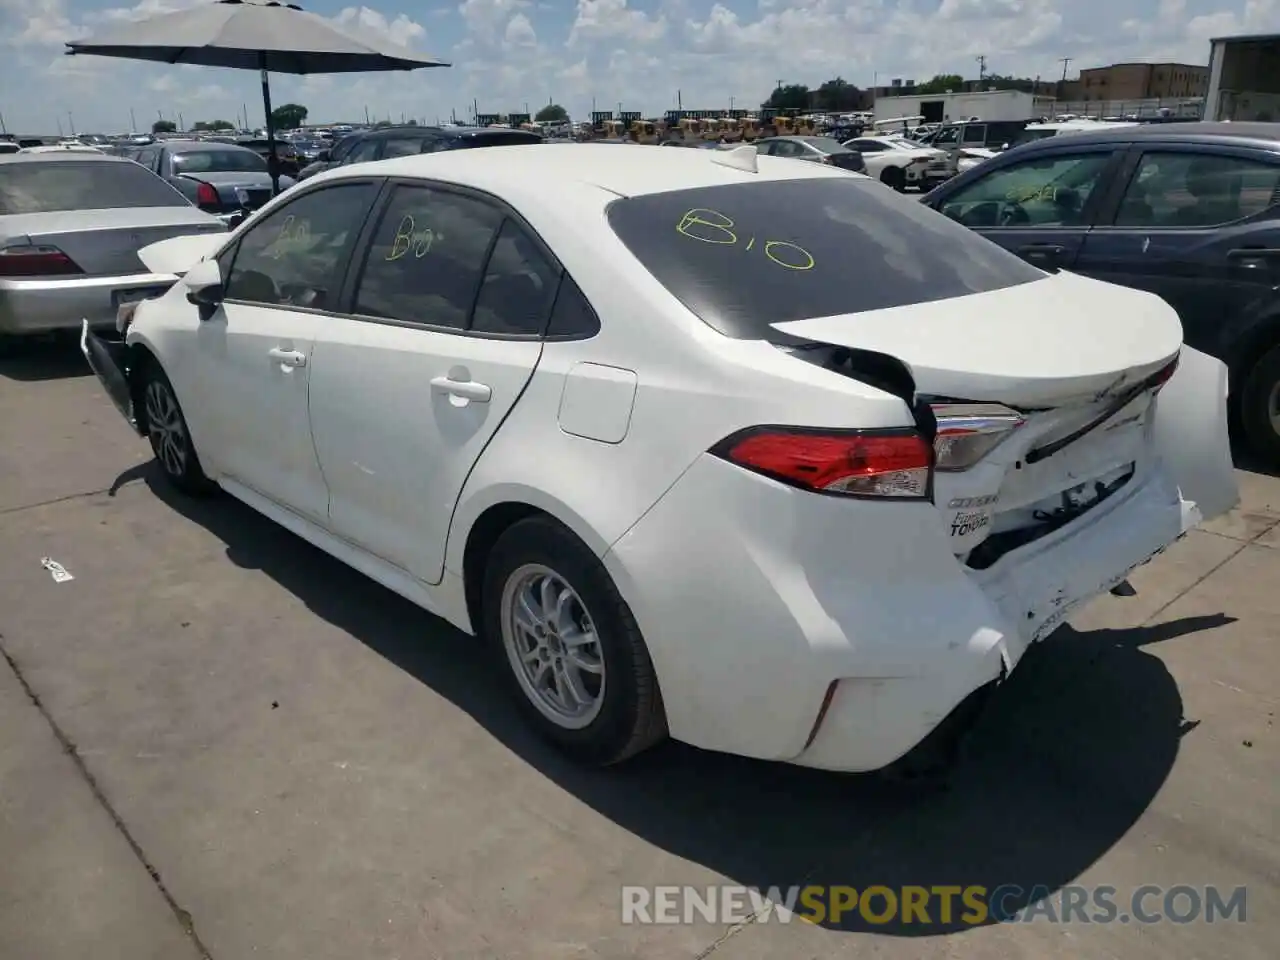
[{"x": 388, "y": 142}]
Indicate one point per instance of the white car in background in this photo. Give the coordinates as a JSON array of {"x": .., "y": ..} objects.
[
  {"x": 750, "y": 452},
  {"x": 899, "y": 161},
  {"x": 969, "y": 157}
]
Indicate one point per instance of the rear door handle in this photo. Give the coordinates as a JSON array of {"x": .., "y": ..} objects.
[
  {"x": 1255, "y": 258},
  {"x": 467, "y": 389},
  {"x": 290, "y": 358},
  {"x": 1044, "y": 250}
]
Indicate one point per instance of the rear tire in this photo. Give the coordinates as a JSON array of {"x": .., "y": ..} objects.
[
  {"x": 544, "y": 595},
  {"x": 168, "y": 434},
  {"x": 895, "y": 178},
  {"x": 1260, "y": 407}
]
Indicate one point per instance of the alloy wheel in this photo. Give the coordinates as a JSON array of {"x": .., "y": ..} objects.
[
  {"x": 165, "y": 428},
  {"x": 551, "y": 643}
]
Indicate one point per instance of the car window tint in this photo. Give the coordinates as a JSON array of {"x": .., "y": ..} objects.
[
  {"x": 1178, "y": 189},
  {"x": 339, "y": 150},
  {"x": 519, "y": 285},
  {"x": 402, "y": 147},
  {"x": 746, "y": 256},
  {"x": 363, "y": 151},
  {"x": 572, "y": 316},
  {"x": 1041, "y": 192},
  {"x": 58, "y": 185},
  {"x": 297, "y": 255},
  {"x": 426, "y": 259}
]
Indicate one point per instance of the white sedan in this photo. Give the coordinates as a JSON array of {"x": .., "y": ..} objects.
[
  {"x": 900, "y": 162},
  {"x": 751, "y": 453}
]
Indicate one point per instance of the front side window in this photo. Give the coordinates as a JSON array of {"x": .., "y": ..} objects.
[
  {"x": 427, "y": 258},
  {"x": 1177, "y": 189},
  {"x": 298, "y": 255},
  {"x": 402, "y": 147},
  {"x": 1042, "y": 192},
  {"x": 867, "y": 146},
  {"x": 746, "y": 256},
  {"x": 363, "y": 152}
]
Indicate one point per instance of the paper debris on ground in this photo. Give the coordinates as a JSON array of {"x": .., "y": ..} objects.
[{"x": 56, "y": 570}]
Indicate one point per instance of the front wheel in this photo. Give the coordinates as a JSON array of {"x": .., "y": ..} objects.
[
  {"x": 1260, "y": 407},
  {"x": 567, "y": 640},
  {"x": 168, "y": 433},
  {"x": 895, "y": 178}
]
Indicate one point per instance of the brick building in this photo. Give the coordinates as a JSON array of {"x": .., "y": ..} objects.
[{"x": 1139, "y": 81}]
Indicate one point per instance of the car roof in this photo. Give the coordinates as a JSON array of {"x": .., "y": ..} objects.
[
  {"x": 1263, "y": 134},
  {"x": 62, "y": 156},
  {"x": 184, "y": 146},
  {"x": 624, "y": 173}
]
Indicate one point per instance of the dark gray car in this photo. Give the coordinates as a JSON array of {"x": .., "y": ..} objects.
[
  {"x": 404, "y": 141},
  {"x": 219, "y": 178}
]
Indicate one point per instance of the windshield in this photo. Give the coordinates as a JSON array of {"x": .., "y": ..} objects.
[
  {"x": 826, "y": 145},
  {"x": 219, "y": 161},
  {"x": 745, "y": 256},
  {"x": 75, "y": 185},
  {"x": 902, "y": 143}
]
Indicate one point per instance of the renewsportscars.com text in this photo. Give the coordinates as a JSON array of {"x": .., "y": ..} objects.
[{"x": 943, "y": 905}]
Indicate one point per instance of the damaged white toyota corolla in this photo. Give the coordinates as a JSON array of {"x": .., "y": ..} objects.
[{"x": 753, "y": 453}]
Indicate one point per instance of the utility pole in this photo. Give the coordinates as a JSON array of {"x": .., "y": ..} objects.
[
  {"x": 133, "y": 121},
  {"x": 71, "y": 122},
  {"x": 3, "y": 129},
  {"x": 982, "y": 68},
  {"x": 1065, "y": 61},
  {"x": 182, "y": 124},
  {"x": 679, "y": 101}
]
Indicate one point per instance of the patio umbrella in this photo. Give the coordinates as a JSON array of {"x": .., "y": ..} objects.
[{"x": 267, "y": 37}]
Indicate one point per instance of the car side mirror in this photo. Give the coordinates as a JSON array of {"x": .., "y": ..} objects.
[
  {"x": 1004, "y": 146},
  {"x": 323, "y": 156},
  {"x": 236, "y": 219},
  {"x": 204, "y": 284}
]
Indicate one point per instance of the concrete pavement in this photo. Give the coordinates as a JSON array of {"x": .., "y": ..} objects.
[{"x": 216, "y": 740}]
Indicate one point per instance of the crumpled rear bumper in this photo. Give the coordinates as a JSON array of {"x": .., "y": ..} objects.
[{"x": 108, "y": 358}]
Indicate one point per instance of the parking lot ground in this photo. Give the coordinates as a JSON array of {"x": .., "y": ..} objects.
[{"x": 215, "y": 733}]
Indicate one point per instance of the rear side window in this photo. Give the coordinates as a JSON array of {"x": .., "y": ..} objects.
[
  {"x": 1184, "y": 189},
  {"x": 519, "y": 284},
  {"x": 404, "y": 147},
  {"x": 54, "y": 186},
  {"x": 497, "y": 139},
  {"x": 745, "y": 256}
]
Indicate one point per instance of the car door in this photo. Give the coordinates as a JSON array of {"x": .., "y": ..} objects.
[
  {"x": 252, "y": 358},
  {"x": 448, "y": 310},
  {"x": 1196, "y": 224},
  {"x": 1039, "y": 207}
]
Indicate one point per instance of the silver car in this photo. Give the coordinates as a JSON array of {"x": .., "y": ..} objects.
[{"x": 71, "y": 225}]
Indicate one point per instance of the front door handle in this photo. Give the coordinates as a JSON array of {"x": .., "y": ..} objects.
[
  {"x": 466, "y": 389},
  {"x": 290, "y": 358},
  {"x": 1042, "y": 251}
]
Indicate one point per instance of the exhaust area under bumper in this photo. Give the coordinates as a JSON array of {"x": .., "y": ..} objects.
[{"x": 107, "y": 360}]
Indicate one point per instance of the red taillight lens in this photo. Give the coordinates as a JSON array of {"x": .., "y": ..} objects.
[
  {"x": 35, "y": 261},
  {"x": 890, "y": 464},
  {"x": 1164, "y": 375},
  {"x": 207, "y": 196}
]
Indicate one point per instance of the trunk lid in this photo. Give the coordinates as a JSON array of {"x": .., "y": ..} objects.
[
  {"x": 106, "y": 242},
  {"x": 1060, "y": 340},
  {"x": 1062, "y": 372},
  {"x": 236, "y": 188}
]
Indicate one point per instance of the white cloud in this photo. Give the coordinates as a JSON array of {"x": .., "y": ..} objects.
[{"x": 640, "y": 52}]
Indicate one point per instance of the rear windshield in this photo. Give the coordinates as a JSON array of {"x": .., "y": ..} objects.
[
  {"x": 71, "y": 185},
  {"x": 744, "y": 256},
  {"x": 220, "y": 161}
]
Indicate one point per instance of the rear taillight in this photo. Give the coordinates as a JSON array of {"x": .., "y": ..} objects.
[
  {"x": 207, "y": 196},
  {"x": 1162, "y": 376},
  {"x": 891, "y": 464},
  {"x": 35, "y": 261},
  {"x": 967, "y": 432}
]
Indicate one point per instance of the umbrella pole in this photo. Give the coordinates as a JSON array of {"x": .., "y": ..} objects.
[{"x": 273, "y": 162}]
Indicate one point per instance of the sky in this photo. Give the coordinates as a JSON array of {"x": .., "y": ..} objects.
[{"x": 641, "y": 54}]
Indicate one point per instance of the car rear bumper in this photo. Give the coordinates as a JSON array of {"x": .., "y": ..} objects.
[
  {"x": 761, "y": 603},
  {"x": 61, "y": 303},
  {"x": 108, "y": 359}
]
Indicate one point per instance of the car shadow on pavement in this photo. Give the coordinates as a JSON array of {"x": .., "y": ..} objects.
[
  {"x": 42, "y": 358},
  {"x": 1071, "y": 753}
]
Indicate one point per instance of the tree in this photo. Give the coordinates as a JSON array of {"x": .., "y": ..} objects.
[
  {"x": 793, "y": 96},
  {"x": 289, "y": 117},
  {"x": 552, "y": 113},
  {"x": 210, "y": 125},
  {"x": 164, "y": 126},
  {"x": 838, "y": 94},
  {"x": 941, "y": 83}
]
